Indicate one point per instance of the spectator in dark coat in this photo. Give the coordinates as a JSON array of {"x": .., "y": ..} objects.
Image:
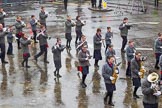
[
  {"x": 65, "y": 4},
  {"x": 83, "y": 57},
  {"x": 97, "y": 42},
  {"x": 135, "y": 72},
  {"x": 25, "y": 49},
  {"x": 56, "y": 50}
]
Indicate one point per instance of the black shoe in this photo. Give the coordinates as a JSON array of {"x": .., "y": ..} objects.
[
  {"x": 35, "y": 58},
  {"x": 83, "y": 86},
  {"x": 36, "y": 42},
  {"x": 4, "y": 62},
  {"x": 105, "y": 101},
  {"x": 96, "y": 65},
  {"x": 27, "y": 66},
  {"x": 46, "y": 61},
  {"x": 22, "y": 64},
  {"x": 157, "y": 67},
  {"x": 123, "y": 51},
  {"x": 111, "y": 103},
  {"x": 135, "y": 96},
  {"x": 58, "y": 75},
  {"x": 19, "y": 47},
  {"x": 54, "y": 73}
]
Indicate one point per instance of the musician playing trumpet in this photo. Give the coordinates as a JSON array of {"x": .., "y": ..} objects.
[
  {"x": 107, "y": 73},
  {"x": 2, "y": 16},
  {"x": 151, "y": 90},
  {"x": 78, "y": 28},
  {"x": 81, "y": 43},
  {"x": 19, "y": 25},
  {"x": 34, "y": 22}
]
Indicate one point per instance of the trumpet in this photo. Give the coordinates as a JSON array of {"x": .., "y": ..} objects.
[
  {"x": 156, "y": 87},
  {"x": 23, "y": 23},
  {"x": 115, "y": 73},
  {"x": 142, "y": 67}
]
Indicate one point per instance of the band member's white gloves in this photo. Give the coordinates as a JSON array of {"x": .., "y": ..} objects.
[
  {"x": 161, "y": 47},
  {"x": 116, "y": 71},
  {"x": 153, "y": 86},
  {"x": 158, "y": 93},
  {"x": 123, "y": 25},
  {"x": 139, "y": 73},
  {"x": 134, "y": 54},
  {"x": 86, "y": 58},
  {"x": 36, "y": 21},
  {"x": 112, "y": 78},
  {"x": 4, "y": 13},
  {"x": 101, "y": 41}
]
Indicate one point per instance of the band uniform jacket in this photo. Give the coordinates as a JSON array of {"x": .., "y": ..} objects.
[
  {"x": 97, "y": 42},
  {"x": 148, "y": 96},
  {"x": 19, "y": 26},
  {"x": 33, "y": 24},
  {"x": 82, "y": 58},
  {"x": 2, "y": 16},
  {"x": 68, "y": 26},
  {"x": 107, "y": 71},
  {"x": 42, "y": 37},
  {"x": 157, "y": 45},
  {"x": 129, "y": 52},
  {"x": 42, "y": 17},
  {"x": 108, "y": 37},
  {"x": 24, "y": 44},
  {"x": 2, "y": 36},
  {"x": 135, "y": 68},
  {"x": 123, "y": 30}
]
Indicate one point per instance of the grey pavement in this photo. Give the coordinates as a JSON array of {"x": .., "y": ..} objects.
[{"x": 38, "y": 88}]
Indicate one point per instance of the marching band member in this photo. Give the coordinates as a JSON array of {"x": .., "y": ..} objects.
[
  {"x": 151, "y": 91},
  {"x": 108, "y": 37},
  {"x": 10, "y": 39},
  {"x": 42, "y": 37},
  {"x": 97, "y": 41},
  {"x": 124, "y": 27},
  {"x": 130, "y": 52},
  {"x": 160, "y": 64},
  {"x": 25, "y": 49},
  {"x": 2, "y": 16},
  {"x": 110, "y": 52},
  {"x": 3, "y": 33},
  {"x": 56, "y": 50},
  {"x": 33, "y": 23},
  {"x": 83, "y": 57},
  {"x": 68, "y": 25},
  {"x": 19, "y": 25},
  {"x": 158, "y": 49},
  {"x": 43, "y": 16},
  {"x": 107, "y": 73},
  {"x": 135, "y": 72},
  {"x": 81, "y": 43},
  {"x": 78, "y": 28}
]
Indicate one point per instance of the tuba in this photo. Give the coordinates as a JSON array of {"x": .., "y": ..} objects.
[{"x": 115, "y": 73}]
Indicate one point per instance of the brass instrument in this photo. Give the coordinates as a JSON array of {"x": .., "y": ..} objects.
[
  {"x": 115, "y": 74},
  {"x": 142, "y": 67}
]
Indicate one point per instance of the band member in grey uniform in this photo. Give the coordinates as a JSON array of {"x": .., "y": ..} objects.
[
  {"x": 97, "y": 42},
  {"x": 107, "y": 73},
  {"x": 130, "y": 52},
  {"x": 25, "y": 49},
  {"x": 56, "y": 50},
  {"x": 83, "y": 57},
  {"x": 135, "y": 72},
  {"x": 43, "y": 16},
  {"x": 42, "y": 37}
]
